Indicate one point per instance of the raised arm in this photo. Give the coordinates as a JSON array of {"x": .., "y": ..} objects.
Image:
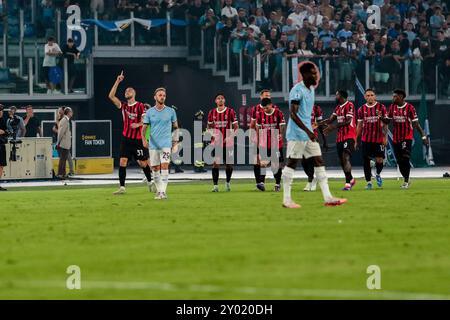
[{"x": 112, "y": 93}]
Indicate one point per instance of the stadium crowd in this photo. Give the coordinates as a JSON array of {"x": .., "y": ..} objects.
[{"x": 414, "y": 31}]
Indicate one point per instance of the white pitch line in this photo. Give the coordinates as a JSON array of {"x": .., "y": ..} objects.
[{"x": 275, "y": 292}]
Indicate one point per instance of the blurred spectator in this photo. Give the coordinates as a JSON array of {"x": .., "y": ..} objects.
[
  {"x": 252, "y": 25},
  {"x": 195, "y": 11},
  {"x": 208, "y": 24},
  {"x": 52, "y": 50},
  {"x": 71, "y": 52},
  {"x": 326, "y": 35},
  {"x": 250, "y": 50},
  {"x": 290, "y": 30},
  {"x": 326, "y": 9},
  {"x": 436, "y": 20},
  {"x": 300, "y": 13},
  {"x": 237, "y": 44},
  {"x": 32, "y": 123},
  {"x": 260, "y": 17},
  {"x": 229, "y": 11}
]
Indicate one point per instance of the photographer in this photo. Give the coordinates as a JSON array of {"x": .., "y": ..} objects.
[
  {"x": 3, "y": 141},
  {"x": 15, "y": 124},
  {"x": 32, "y": 123}
]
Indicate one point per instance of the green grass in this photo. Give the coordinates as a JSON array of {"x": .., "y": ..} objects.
[{"x": 238, "y": 245}]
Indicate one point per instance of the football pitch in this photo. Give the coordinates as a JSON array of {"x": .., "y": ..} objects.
[{"x": 236, "y": 245}]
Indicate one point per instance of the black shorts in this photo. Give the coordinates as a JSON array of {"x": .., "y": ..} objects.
[
  {"x": 266, "y": 154},
  {"x": 133, "y": 148},
  {"x": 373, "y": 150},
  {"x": 2, "y": 156},
  {"x": 347, "y": 146},
  {"x": 227, "y": 155},
  {"x": 403, "y": 149}
]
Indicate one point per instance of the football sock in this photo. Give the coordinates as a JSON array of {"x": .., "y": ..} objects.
[
  {"x": 405, "y": 168},
  {"x": 379, "y": 167},
  {"x": 277, "y": 176},
  {"x": 229, "y": 172},
  {"x": 164, "y": 180},
  {"x": 263, "y": 175},
  {"x": 348, "y": 177},
  {"x": 367, "y": 169},
  {"x": 157, "y": 179},
  {"x": 122, "y": 175},
  {"x": 148, "y": 173},
  {"x": 257, "y": 172},
  {"x": 323, "y": 183},
  {"x": 215, "y": 175},
  {"x": 288, "y": 175}
]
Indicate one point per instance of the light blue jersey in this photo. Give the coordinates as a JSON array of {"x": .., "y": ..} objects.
[
  {"x": 160, "y": 122},
  {"x": 306, "y": 97}
]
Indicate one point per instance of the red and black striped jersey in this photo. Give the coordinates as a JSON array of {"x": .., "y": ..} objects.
[
  {"x": 343, "y": 113},
  {"x": 316, "y": 116},
  {"x": 402, "y": 117},
  {"x": 222, "y": 122},
  {"x": 372, "y": 130},
  {"x": 257, "y": 109},
  {"x": 270, "y": 127},
  {"x": 132, "y": 114}
]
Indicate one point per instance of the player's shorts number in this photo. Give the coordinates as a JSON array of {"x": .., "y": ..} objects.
[
  {"x": 381, "y": 147},
  {"x": 140, "y": 152},
  {"x": 404, "y": 145},
  {"x": 345, "y": 144},
  {"x": 166, "y": 156}
]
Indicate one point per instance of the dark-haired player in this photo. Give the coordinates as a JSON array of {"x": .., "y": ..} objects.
[
  {"x": 344, "y": 114},
  {"x": 222, "y": 121},
  {"x": 301, "y": 139},
  {"x": 131, "y": 145},
  {"x": 255, "y": 110},
  {"x": 404, "y": 118},
  {"x": 270, "y": 126},
  {"x": 373, "y": 136}
]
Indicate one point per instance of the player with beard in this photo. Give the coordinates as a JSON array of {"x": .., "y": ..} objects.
[
  {"x": 131, "y": 145},
  {"x": 301, "y": 140},
  {"x": 162, "y": 120},
  {"x": 344, "y": 114}
]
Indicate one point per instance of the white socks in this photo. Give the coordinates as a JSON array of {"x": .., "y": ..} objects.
[
  {"x": 164, "y": 180},
  {"x": 323, "y": 183},
  {"x": 157, "y": 180},
  {"x": 288, "y": 175}
]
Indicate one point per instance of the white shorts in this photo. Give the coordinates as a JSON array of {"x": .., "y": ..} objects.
[
  {"x": 159, "y": 156},
  {"x": 300, "y": 149}
]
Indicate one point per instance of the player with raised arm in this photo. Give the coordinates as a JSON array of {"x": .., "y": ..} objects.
[
  {"x": 345, "y": 116},
  {"x": 131, "y": 145},
  {"x": 270, "y": 127},
  {"x": 301, "y": 141},
  {"x": 161, "y": 119},
  {"x": 373, "y": 135},
  {"x": 404, "y": 118},
  {"x": 223, "y": 124}
]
